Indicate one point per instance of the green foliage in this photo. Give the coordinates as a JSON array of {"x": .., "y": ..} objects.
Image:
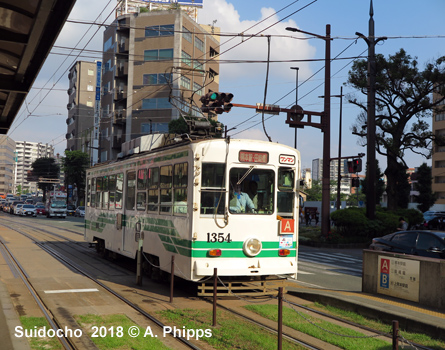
[
  {"x": 314, "y": 193},
  {"x": 403, "y": 188},
  {"x": 46, "y": 168},
  {"x": 379, "y": 183},
  {"x": 426, "y": 197},
  {"x": 403, "y": 110},
  {"x": 352, "y": 225},
  {"x": 178, "y": 126},
  {"x": 75, "y": 164}
]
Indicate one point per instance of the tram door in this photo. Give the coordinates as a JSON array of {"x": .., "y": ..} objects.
[{"x": 128, "y": 211}]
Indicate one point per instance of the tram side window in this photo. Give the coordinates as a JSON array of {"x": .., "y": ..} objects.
[
  {"x": 166, "y": 188},
  {"x": 131, "y": 190},
  {"x": 141, "y": 196},
  {"x": 180, "y": 178},
  {"x": 105, "y": 195},
  {"x": 153, "y": 189},
  {"x": 99, "y": 192},
  {"x": 286, "y": 194},
  {"x": 213, "y": 189},
  {"x": 88, "y": 194},
  {"x": 93, "y": 192},
  {"x": 111, "y": 191},
  {"x": 119, "y": 190}
]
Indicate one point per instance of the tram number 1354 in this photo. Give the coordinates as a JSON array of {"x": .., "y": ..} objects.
[{"x": 218, "y": 237}]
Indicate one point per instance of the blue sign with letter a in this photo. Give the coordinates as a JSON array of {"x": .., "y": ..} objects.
[{"x": 384, "y": 280}]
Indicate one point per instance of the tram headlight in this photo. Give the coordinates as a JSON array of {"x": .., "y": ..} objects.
[{"x": 252, "y": 246}]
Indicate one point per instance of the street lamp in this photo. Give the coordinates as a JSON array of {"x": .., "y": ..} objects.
[
  {"x": 296, "y": 103},
  {"x": 326, "y": 121}
]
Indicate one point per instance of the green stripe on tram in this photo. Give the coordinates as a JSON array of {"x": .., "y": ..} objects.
[{"x": 225, "y": 253}]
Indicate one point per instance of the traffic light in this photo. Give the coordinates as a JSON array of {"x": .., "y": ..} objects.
[
  {"x": 355, "y": 182},
  {"x": 355, "y": 166},
  {"x": 218, "y": 102},
  {"x": 208, "y": 100}
]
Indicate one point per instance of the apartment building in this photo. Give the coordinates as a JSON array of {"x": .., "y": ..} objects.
[
  {"x": 27, "y": 153},
  {"x": 84, "y": 108},
  {"x": 156, "y": 65},
  {"x": 317, "y": 173},
  {"x": 7, "y": 164},
  {"x": 438, "y": 159}
]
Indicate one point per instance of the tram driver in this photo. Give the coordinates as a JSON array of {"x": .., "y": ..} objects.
[{"x": 240, "y": 201}]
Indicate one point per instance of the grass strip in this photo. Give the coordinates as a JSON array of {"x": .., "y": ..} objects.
[
  {"x": 230, "y": 332},
  {"x": 33, "y": 324},
  {"x": 104, "y": 332},
  {"x": 418, "y": 338},
  {"x": 331, "y": 333}
]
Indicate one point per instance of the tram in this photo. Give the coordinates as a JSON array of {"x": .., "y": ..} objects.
[{"x": 222, "y": 203}]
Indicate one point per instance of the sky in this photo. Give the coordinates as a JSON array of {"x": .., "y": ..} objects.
[{"x": 415, "y": 26}]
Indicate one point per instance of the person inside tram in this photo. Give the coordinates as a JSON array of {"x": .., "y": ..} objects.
[
  {"x": 240, "y": 201},
  {"x": 253, "y": 192}
]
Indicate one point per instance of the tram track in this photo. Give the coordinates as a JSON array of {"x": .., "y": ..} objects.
[
  {"x": 263, "y": 325},
  {"x": 74, "y": 266}
]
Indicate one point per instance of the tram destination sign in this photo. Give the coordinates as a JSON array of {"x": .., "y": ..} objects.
[{"x": 253, "y": 157}]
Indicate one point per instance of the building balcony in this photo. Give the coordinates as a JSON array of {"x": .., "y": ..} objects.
[
  {"x": 123, "y": 46},
  {"x": 120, "y": 94},
  {"x": 117, "y": 142},
  {"x": 122, "y": 70},
  {"x": 119, "y": 117}
]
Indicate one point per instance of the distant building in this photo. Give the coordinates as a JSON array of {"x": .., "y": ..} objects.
[
  {"x": 84, "y": 108},
  {"x": 438, "y": 159},
  {"x": 27, "y": 153},
  {"x": 7, "y": 164},
  {"x": 152, "y": 61},
  {"x": 317, "y": 173}
]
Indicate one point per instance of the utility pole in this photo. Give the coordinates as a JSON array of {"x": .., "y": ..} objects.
[
  {"x": 371, "y": 160},
  {"x": 296, "y": 103},
  {"x": 325, "y": 127}
]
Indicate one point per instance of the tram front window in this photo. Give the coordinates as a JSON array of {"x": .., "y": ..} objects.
[{"x": 251, "y": 191}]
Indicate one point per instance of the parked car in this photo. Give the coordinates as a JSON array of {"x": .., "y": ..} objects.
[
  {"x": 70, "y": 210},
  {"x": 80, "y": 211},
  {"x": 422, "y": 243},
  {"x": 16, "y": 208},
  {"x": 27, "y": 210},
  {"x": 40, "y": 209}
]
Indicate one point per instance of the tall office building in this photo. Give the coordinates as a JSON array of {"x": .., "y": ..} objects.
[
  {"x": 84, "y": 108},
  {"x": 27, "y": 153},
  {"x": 438, "y": 159},
  {"x": 155, "y": 65},
  {"x": 7, "y": 164},
  {"x": 317, "y": 173}
]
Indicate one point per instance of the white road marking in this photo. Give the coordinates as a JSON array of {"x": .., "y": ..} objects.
[{"x": 71, "y": 291}]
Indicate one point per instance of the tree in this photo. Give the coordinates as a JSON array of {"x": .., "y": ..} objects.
[
  {"x": 403, "y": 188},
  {"x": 379, "y": 183},
  {"x": 44, "y": 170},
  {"x": 426, "y": 197},
  {"x": 314, "y": 193},
  {"x": 403, "y": 108},
  {"x": 75, "y": 164}
]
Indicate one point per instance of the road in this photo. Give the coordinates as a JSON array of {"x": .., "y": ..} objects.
[{"x": 339, "y": 269}]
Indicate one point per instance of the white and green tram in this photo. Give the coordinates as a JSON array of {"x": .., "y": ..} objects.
[{"x": 217, "y": 203}]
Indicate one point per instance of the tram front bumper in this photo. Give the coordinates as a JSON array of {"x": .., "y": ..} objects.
[{"x": 245, "y": 267}]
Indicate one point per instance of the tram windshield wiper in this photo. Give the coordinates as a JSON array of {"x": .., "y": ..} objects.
[{"x": 246, "y": 174}]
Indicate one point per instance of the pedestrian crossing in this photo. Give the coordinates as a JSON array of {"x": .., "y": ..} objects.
[{"x": 314, "y": 262}]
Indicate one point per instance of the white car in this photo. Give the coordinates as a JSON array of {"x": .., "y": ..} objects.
[
  {"x": 27, "y": 210},
  {"x": 16, "y": 208},
  {"x": 80, "y": 211}
]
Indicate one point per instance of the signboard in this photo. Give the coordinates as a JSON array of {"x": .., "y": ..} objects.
[
  {"x": 398, "y": 278},
  {"x": 196, "y": 3},
  {"x": 286, "y": 242},
  {"x": 287, "y": 226}
]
